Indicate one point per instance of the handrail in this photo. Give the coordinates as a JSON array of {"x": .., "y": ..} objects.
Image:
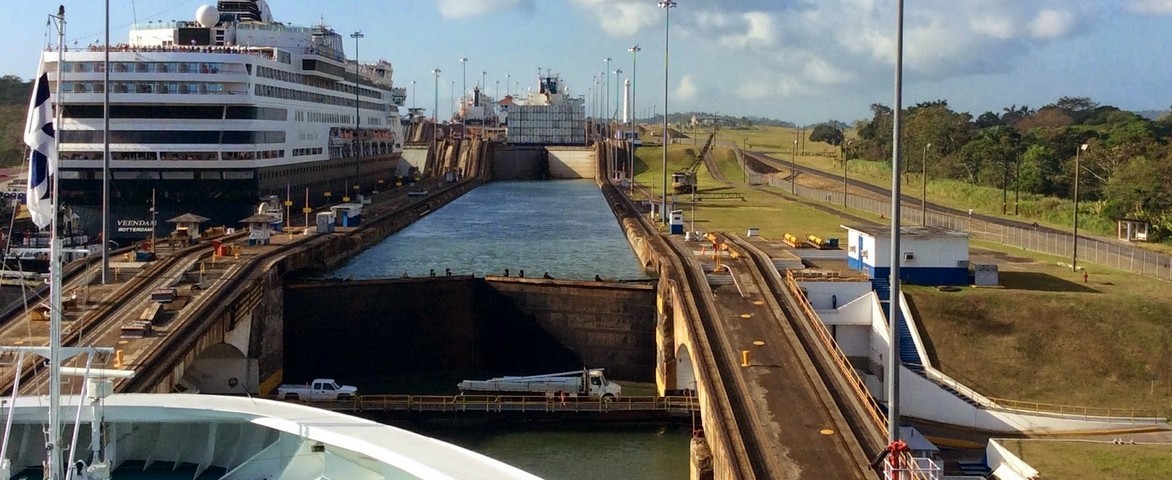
[
  {"x": 503, "y": 403},
  {"x": 1078, "y": 411},
  {"x": 840, "y": 359}
]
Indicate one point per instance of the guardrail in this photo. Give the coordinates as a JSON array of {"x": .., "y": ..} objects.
[
  {"x": 506, "y": 403},
  {"x": 1106, "y": 414},
  {"x": 840, "y": 359}
]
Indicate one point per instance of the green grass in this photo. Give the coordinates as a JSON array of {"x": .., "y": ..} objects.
[
  {"x": 773, "y": 215},
  {"x": 1050, "y": 211},
  {"x": 1049, "y": 337},
  {"x": 1095, "y": 460}
]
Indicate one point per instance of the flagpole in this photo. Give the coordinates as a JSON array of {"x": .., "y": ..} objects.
[
  {"x": 106, "y": 154},
  {"x": 53, "y": 462}
]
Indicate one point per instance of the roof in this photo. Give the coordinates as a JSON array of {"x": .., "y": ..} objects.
[
  {"x": 260, "y": 218},
  {"x": 884, "y": 231},
  {"x": 416, "y": 456},
  {"x": 188, "y": 218}
]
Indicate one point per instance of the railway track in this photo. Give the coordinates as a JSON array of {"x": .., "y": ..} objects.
[
  {"x": 113, "y": 308},
  {"x": 730, "y": 379}
]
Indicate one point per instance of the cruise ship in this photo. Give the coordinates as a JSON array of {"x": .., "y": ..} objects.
[{"x": 210, "y": 115}]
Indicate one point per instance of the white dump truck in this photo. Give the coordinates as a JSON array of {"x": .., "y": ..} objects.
[
  {"x": 589, "y": 382},
  {"x": 320, "y": 389}
]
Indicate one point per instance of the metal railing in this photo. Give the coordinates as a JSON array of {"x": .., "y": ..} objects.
[
  {"x": 506, "y": 403},
  {"x": 1114, "y": 255},
  {"x": 1105, "y": 414},
  {"x": 857, "y": 385}
]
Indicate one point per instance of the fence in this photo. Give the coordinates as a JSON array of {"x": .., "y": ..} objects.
[{"x": 1090, "y": 250}]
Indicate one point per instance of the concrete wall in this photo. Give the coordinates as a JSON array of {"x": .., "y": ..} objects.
[
  {"x": 572, "y": 162},
  {"x": 608, "y": 325},
  {"x": 511, "y": 163},
  {"x": 445, "y": 324},
  {"x": 413, "y": 156}
]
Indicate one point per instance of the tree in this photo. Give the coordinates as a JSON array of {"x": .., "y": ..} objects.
[
  {"x": 828, "y": 134},
  {"x": 1140, "y": 190},
  {"x": 988, "y": 119}
]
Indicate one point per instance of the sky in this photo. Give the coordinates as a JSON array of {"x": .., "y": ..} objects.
[{"x": 803, "y": 61}]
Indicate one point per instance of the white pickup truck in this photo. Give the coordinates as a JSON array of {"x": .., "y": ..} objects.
[{"x": 319, "y": 389}]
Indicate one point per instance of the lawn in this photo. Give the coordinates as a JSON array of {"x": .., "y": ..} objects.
[
  {"x": 1047, "y": 337},
  {"x": 774, "y": 214},
  {"x": 1050, "y": 337},
  {"x": 1050, "y": 211},
  {"x": 1053, "y": 459}
]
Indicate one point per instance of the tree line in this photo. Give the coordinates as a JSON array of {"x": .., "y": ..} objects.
[
  {"x": 1123, "y": 172},
  {"x": 14, "y": 98}
]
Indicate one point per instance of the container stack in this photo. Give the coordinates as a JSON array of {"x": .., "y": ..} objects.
[{"x": 563, "y": 124}]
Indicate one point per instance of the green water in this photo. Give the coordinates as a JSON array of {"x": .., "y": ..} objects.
[{"x": 619, "y": 452}]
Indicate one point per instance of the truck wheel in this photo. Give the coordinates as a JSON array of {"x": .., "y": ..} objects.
[
  {"x": 607, "y": 398},
  {"x": 292, "y": 396}
]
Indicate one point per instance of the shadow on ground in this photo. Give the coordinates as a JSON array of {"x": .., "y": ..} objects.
[{"x": 1041, "y": 282}]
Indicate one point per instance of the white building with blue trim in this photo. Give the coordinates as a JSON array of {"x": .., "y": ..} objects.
[{"x": 928, "y": 255}]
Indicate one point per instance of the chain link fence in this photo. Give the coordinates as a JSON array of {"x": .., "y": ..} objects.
[{"x": 1115, "y": 255}]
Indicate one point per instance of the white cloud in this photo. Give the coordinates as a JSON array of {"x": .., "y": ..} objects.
[
  {"x": 1151, "y": 6},
  {"x": 471, "y": 8},
  {"x": 1052, "y": 24},
  {"x": 686, "y": 89},
  {"x": 622, "y": 18}
]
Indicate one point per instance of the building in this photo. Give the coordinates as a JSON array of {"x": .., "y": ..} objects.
[{"x": 928, "y": 255}]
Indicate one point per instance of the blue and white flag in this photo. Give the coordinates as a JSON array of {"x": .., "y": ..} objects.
[{"x": 41, "y": 138}]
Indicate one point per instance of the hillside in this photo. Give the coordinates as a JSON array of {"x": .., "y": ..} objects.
[{"x": 14, "y": 97}]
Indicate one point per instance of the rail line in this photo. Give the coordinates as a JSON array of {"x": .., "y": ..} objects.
[
  {"x": 737, "y": 400},
  {"x": 109, "y": 312},
  {"x": 863, "y": 417}
]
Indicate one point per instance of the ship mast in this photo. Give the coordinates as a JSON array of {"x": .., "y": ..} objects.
[{"x": 53, "y": 465}]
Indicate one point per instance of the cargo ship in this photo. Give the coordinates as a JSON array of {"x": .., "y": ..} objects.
[
  {"x": 207, "y": 116},
  {"x": 548, "y": 116}
]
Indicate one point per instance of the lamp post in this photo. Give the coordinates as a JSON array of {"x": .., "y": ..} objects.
[
  {"x": 666, "y": 5},
  {"x": 1074, "y": 257},
  {"x": 508, "y": 77},
  {"x": 483, "y": 82},
  {"x": 463, "y": 91},
  {"x": 413, "y": 82},
  {"x": 924, "y": 186},
  {"x": 606, "y": 90},
  {"x": 357, "y": 118},
  {"x": 435, "y": 108},
  {"x": 793, "y": 170},
  {"x": 496, "y": 94},
  {"x": 892, "y": 370},
  {"x": 452, "y": 95},
  {"x": 594, "y": 94},
  {"x": 634, "y": 63},
  {"x": 617, "y": 73},
  {"x": 845, "y": 165}
]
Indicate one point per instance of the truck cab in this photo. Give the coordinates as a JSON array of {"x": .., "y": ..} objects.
[{"x": 601, "y": 388}]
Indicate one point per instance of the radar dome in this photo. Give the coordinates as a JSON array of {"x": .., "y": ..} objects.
[{"x": 207, "y": 16}]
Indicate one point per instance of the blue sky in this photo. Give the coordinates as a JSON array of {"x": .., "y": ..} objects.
[{"x": 798, "y": 60}]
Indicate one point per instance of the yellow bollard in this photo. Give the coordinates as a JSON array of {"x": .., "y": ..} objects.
[
  {"x": 744, "y": 358},
  {"x": 118, "y": 359}
]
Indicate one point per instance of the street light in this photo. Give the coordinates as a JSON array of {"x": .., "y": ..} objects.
[
  {"x": 1074, "y": 258},
  {"x": 413, "y": 82},
  {"x": 483, "y": 82},
  {"x": 496, "y": 94},
  {"x": 357, "y": 118},
  {"x": 508, "y": 76},
  {"x": 435, "y": 108},
  {"x": 845, "y": 165},
  {"x": 924, "y": 193},
  {"x": 463, "y": 91},
  {"x": 793, "y": 170},
  {"x": 634, "y": 62},
  {"x": 616, "y": 90},
  {"x": 452, "y": 95},
  {"x": 666, "y": 5},
  {"x": 606, "y": 90}
]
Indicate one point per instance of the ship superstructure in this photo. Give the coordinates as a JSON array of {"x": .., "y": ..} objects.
[{"x": 209, "y": 115}]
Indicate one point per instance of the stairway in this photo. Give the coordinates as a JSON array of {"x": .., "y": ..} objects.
[{"x": 908, "y": 355}]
